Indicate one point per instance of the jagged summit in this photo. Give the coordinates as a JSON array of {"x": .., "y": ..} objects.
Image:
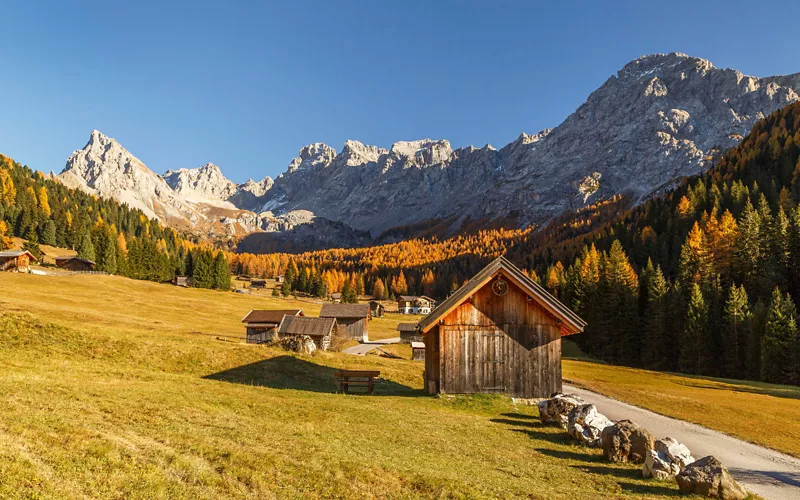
[{"x": 660, "y": 117}]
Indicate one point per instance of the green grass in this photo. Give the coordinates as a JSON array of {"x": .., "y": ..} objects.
[{"x": 105, "y": 394}]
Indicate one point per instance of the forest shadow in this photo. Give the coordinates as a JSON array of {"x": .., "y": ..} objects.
[
  {"x": 587, "y": 460},
  {"x": 787, "y": 392},
  {"x": 290, "y": 372}
]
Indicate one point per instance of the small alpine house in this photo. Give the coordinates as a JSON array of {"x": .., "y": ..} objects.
[{"x": 499, "y": 333}]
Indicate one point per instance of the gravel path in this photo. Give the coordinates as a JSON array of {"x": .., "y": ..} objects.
[
  {"x": 770, "y": 474},
  {"x": 364, "y": 348}
]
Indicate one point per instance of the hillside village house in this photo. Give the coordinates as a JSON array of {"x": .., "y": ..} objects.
[
  {"x": 376, "y": 309},
  {"x": 352, "y": 319},
  {"x": 336, "y": 298},
  {"x": 72, "y": 263},
  {"x": 321, "y": 330},
  {"x": 410, "y": 304},
  {"x": 184, "y": 281},
  {"x": 258, "y": 284},
  {"x": 262, "y": 324},
  {"x": 16, "y": 261},
  {"x": 499, "y": 333}
]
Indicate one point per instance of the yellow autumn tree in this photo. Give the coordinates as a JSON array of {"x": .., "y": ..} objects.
[
  {"x": 44, "y": 201},
  {"x": 5, "y": 241}
]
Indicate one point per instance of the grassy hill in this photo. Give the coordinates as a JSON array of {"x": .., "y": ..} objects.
[{"x": 106, "y": 392}]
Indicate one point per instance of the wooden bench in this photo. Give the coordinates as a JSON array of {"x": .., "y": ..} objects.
[{"x": 359, "y": 378}]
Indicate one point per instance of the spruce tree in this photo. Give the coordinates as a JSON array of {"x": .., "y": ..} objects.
[
  {"x": 736, "y": 325},
  {"x": 49, "y": 233},
  {"x": 86, "y": 249},
  {"x": 222, "y": 272},
  {"x": 655, "y": 336},
  {"x": 780, "y": 340},
  {"x": 694, "y": 331},
  {"x": 378, "y": 289},
  {"x": 349, "y": 293}
]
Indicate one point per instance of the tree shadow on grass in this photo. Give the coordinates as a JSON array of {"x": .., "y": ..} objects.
[
  {"x": 628, "y": 476},
  {"x": 587, "y": 459},
  {"x": 290, "y": 372}
]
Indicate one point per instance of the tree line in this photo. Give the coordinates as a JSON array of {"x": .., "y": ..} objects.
[{"x": 120, "y": 240}]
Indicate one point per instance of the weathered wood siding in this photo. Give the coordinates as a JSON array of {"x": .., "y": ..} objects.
[
  {"x": 354, "y": 328},
  {"x": 432, "y": 368},
  {"x": 505, "y": 344}
]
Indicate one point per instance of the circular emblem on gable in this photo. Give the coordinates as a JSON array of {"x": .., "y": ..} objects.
[{"x": 500, "y": 287}]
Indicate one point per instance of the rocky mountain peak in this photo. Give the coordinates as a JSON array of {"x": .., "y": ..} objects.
[
  {"x": 355, "y": 153},
  {"x": 205, "y": 184},
  {"x": 312, "y": 156},
  {"x": 423, "y": 151}
]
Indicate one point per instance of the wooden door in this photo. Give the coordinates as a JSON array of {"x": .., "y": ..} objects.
[{"x": 491, "y": 355}]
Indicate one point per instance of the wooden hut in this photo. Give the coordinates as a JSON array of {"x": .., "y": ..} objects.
[
  {"x": 336, "y": 298},
  {"x": 321, "y": 330},
  {"x": 262, "y": 324},
  {"x": 72, "y": 263},
  {"x": 409, "y": 333},
  {"x": 16, "y": 261},
  {"x": 258, "y": 283},
  {"x": 184, "y": 281},
  {"x": 351, "y": 318},
  {"x": 418, "y": 351},
  {"x": 376, "y": 309},
  {"x": 280, "y": 278},
  {"x": 499, "y": 333}
]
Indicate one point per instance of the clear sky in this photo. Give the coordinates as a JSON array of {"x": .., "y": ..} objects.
[{"x": 247, "y": 85}]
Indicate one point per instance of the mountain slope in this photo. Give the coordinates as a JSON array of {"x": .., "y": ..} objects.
[
  {"x": 660, "y": 118},
  {"x": 103, "y": 167}
]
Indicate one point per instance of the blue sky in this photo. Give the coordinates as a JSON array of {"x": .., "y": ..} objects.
[{"x": 246, "y": 85}]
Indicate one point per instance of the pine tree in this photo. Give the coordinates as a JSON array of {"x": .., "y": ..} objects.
[
  {"x": 655, "y": 340},
  {"x": 49, "y": 233},
  {"x": 349, "y": 293},
  {"x": 694, "y": 331},
  {"x": 33, "y": 247},
  {"x": 748, "y": 253},
  {"x": 736, "y": 325},
  {"x": 203, "y": 269},
  {"x": 222, "y": 272},
  {"x": 86, "y": 249},
  {"x": 778, "y": 346}
]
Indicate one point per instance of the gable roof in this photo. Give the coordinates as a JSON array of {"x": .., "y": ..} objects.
[
  {"x": 270, "y": 315},
  {"x": 17, "y": 253},
  {"x": 344, "y": 311},
  {"x": 571, "y": 322},
  {"x": 301, "y": 325},
  {"x": 407, "y": 298},
  {"x": 406, "y": 327},
  {"x": 69, "y": 258}
]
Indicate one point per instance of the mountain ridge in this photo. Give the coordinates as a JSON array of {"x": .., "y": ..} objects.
[{"x": 659, "y": 118}]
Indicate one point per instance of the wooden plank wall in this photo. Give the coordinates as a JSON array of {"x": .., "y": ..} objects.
[
  {"x": 505, "y": 344},
  {"x": 355, "y": 328}
]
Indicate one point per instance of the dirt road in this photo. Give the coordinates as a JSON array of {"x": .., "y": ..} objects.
[
  {"x": 768, "y": 473},
  {"x": 364, "y": 348}
]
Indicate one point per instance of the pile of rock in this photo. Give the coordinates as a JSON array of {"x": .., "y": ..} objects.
[
  {"x": 586, "y": 424},
  {"x": 708, "y": 478},
  {"x": 625, "y": 441},
  {"x": 556, "y": 409},
  {"x": 667, "y": 459},
  {"x": 298, "y": 343}
]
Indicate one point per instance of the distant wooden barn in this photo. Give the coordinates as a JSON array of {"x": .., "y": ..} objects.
[
  {"x": 16, "y": 261},
  {"x": 409, "y": 333},
  {"x": 417, "y": 351},
  {"x": 184, "y": 281},
  {"x": 77, "y": 264},
  {"x": 336, "y": 297},
  {"x": 258, "y": 283},
  {"x": 376, "y": 309},
  {"x": 280, "y": 278},
  {"x": 321, "y": 330},
  {"x": 499, "y": 333},
  {"x": 352, "y": 319},
  {"x": 262, "y": 324}
]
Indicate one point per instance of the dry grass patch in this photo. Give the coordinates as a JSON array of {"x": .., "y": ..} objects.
[
  {"x": 751, "y": 411},
  {"x": 104, "y": 395}
]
